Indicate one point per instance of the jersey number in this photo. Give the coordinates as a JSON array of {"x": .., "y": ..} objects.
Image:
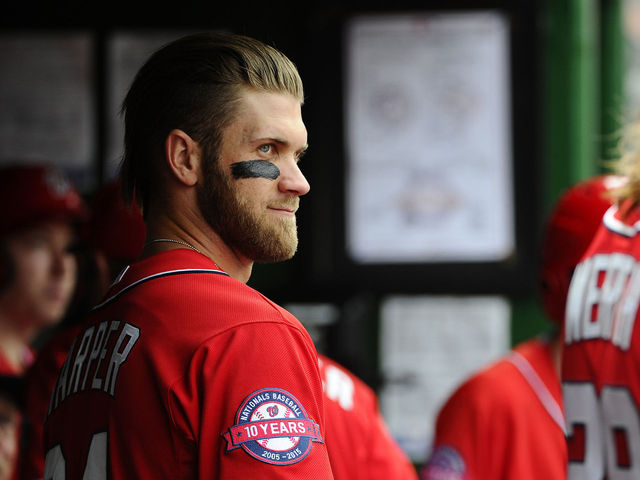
[
  {"x": 602, "y": 432},
  {"x": 95, "y": 469}
]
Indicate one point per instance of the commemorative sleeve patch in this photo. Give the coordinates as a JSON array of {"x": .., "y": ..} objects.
[
  {"x": 445, "y": 464},
  {"x": 272, "y": 426}
]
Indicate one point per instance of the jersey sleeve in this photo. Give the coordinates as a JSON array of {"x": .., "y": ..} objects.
[{"x": 252, "y": 404}]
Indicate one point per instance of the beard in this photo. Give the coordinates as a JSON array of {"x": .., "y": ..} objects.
[{"x": 247, "y": 229}]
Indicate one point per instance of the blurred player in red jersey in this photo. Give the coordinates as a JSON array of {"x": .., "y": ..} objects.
[
  {"x": 352, "y": 412},
  {"x": 37, "y": 268},
  {"x": 507, "y": 421},
  {"x": 183, "y": 371},
  {"x": 601, "y": 358},
  {"x": 37, "y": 276},
  {"x": 113, "y": 238}
]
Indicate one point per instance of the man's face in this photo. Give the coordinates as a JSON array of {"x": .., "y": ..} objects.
[
  {"x": 251, "y": 194},
  {"x": 44, "y": 274}
]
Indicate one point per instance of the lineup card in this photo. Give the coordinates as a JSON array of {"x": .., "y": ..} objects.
[
  {"x": 428, "y": 137},
  {"x": 428, "y": 346}
]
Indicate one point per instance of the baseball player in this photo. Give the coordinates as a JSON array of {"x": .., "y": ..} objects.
[
  {"x": 37, "y": 278},
  {"x": 507, "y": 421},
  {"x": 183, "y": 371},
  {"x": 37, "y": 267},
  {"x": 601, "y": 357},
  {"x": 351, "y": 409}
]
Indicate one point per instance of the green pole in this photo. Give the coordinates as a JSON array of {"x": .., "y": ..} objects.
[
  {"x": 555, "y": 103},
  {"x": 571, "y": 58},
  {"x": 584, "y": 110},
  {"x": 612, "y": 69},
  {"x": 572, "y": 99}
]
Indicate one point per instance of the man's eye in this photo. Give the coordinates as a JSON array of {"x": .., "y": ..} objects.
[{"x": 266, "y": 148}]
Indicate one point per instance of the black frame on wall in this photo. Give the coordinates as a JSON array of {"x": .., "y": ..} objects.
[{"x": 323, "y": 261}]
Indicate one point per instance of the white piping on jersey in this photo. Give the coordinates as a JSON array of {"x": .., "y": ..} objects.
[
  {"x": 151, "y": 277},
  {"x": 539, "y": 388},
  {"x": 618, "y": 226},
  {"x": 120, "y": 275}
]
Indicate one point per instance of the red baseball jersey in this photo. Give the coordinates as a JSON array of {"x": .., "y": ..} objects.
[
  {"x": 505, "y": 422},
  {"x": 601, "y": 358},
  {"x": 359, "y": 443},
  {"x": 184, "y": 372}
]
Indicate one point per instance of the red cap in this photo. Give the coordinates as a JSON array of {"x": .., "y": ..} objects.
[
  {"x": 116, "y": 229},
  {"x": 34, "y": 193},
  {"x": 570, "y": 228}
]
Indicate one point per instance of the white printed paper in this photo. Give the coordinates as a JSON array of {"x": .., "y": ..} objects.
[
  {"x": 428, "y": 346},
  {"x": 429, "y": 138}
]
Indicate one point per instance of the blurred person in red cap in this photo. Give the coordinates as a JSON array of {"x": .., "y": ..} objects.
[
  {"x": 507, "y": 421},
  {"x": 37, "y": 268},
  {"x": 38, "y": 273},
  {"x": 113, "y": 237}
]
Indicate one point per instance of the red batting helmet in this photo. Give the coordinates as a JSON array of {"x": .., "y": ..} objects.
[
  {"x": 32, "y": 193},
  {"x": 569, "y": 231}
]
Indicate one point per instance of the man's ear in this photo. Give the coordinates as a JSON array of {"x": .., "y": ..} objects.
[{"x": 183, "y": 156}]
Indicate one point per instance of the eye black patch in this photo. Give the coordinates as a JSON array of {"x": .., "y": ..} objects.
[{"x": 255, "y": 169}]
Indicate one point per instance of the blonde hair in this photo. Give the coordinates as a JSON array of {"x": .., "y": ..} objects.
[{"x": 628, "y": 165}]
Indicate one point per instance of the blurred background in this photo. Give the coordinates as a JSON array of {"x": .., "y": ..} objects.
[{"x": 440, "y": 132}]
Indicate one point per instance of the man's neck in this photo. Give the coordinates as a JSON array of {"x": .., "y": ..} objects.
[{"x": 167, "y": 235}]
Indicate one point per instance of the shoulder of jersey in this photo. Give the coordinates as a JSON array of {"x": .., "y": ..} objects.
[
  {"x": 128, "y": 281},
  {"x": 199, "y": 285},
  {"x": 489, "y": 388}
]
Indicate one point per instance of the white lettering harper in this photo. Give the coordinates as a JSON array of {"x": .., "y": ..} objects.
[{"x": 94, "y": 345}]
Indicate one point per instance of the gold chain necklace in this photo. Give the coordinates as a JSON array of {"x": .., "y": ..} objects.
[{"x": 171, "y": 240}]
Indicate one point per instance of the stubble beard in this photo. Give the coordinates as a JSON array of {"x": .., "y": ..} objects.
[{"x": 255, "y": 234}]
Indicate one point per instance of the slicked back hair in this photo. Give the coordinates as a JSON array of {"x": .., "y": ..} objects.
[{"x": 193, "y": 84}]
